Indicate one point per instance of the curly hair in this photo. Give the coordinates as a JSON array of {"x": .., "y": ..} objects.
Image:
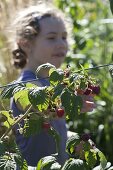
[{"x": 26, "y": 27}]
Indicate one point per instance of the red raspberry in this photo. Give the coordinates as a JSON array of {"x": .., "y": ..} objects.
[
  {"x": 96, "y": 89},
  {"x": 60, "y": 112},
  {"x": 87, "y": 91},
  {"x": 46, "y": 125}
]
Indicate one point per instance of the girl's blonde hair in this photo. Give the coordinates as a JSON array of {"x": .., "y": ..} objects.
[{"x": 26, "y": 27}]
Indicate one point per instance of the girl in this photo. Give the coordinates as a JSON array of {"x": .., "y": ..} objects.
[{"x": 41, "y": 37}]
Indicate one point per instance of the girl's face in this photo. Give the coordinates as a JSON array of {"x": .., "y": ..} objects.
[{"x": 51, "y": 43}]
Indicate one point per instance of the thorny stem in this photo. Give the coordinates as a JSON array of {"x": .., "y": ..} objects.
[
  {"x": 14, "y": 83},
  {"x": 17, "y": 121},
  {"x": 100, "y": 66}
]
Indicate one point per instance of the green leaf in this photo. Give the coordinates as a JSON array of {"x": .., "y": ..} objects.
[
  {"x": 72, "y": 142},
  {"x": 38, "y": 97},
  {"x": 55, "y": 76},
  {"x": 74, "y": 164},
  {"x": 90, "y": 157},
  {"x": 9, "y": 120},
  {"x": 33, "y": 125},
  {"x": 103, "y": 161},
  {"x": 21, "y": 99},
  {"x": 8, "y": 91},
  {"x": 22, "y": 164},
  {"x": 56, "y": 137},
  {"x": 46, "y": 66},
  {"x": 45, "y": 163},
  {"x": 58, "y": 90},
  {"x": 86, "y": 146},
  {"x": 72, "y": 105}
]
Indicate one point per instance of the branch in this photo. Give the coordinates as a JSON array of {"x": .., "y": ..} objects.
[{"x": 17, "y": 121}]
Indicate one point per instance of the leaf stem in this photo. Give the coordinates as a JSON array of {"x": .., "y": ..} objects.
[{"x": 17, "y": 121}]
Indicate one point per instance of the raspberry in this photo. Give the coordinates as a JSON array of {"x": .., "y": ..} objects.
[
  {"x": 46, "y": 125},
  {"x": 96, "y": 89},
  {"x": 85, "y": 137},
  {"x": 87, "y": 91},
  {"x": 60, "y": 112}
]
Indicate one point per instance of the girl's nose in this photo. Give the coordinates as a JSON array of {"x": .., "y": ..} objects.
[{"x": 62, "y": 43}]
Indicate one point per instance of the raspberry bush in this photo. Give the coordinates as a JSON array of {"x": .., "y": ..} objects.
[{"x": 43, "y": 104}]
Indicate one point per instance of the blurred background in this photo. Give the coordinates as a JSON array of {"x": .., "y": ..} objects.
[{"x": 92, "y": 46}]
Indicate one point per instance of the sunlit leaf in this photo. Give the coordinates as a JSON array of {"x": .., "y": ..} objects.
[
  {"x": 46, "y": 66},
  {"x": 45, "y": 163},
  {"x": 103, "y": 161},
  {"x": 55, "y": 77},
  {"x": 72, "y": 142},
  {"x": 74, "y": 164},
  {"x": 9, "y": 120},
  {"x": 91, "y": 158},
  {"x": 8, "y": 91},
  {"x": 21, "y": 99}
]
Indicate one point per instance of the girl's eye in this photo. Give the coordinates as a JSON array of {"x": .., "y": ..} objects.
[{"x": 51, "y": 38}]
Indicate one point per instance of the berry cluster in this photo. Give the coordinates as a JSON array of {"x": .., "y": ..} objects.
[{"x": 90, "y": 89}]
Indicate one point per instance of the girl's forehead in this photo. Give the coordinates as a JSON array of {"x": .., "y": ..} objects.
[{"x": 51, "y": 24}]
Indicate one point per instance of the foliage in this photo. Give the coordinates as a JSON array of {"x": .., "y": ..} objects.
[
  {"x": 92, "y": 35},
  {"x": 93, "y": 46},
  {"x": 43, "y": 106}
]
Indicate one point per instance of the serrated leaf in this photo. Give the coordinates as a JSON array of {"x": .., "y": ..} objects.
[
  {"x": 72, "y": 105},
  {"x": 33, "y": 126},
  {"x": 58, "y": 90},
  {"x": 38, "y": 97},
  {"x": 8, "y": 91},
  {"x": 21, "y": 163},
  {"x": 55, "y": 77},
  {"x": 74, "y": 164},
  {"x": 45, "y": 163},
  {"x": 44, "y": 66},
  {"x": 21, "y": 99},
  {"x": 72, "y": 142},
  {"x": 103, "y": 161},
  {"x": 91, "y": 158}
]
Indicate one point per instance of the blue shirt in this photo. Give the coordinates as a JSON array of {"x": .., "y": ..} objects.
[{"x": 35, "y": 147}]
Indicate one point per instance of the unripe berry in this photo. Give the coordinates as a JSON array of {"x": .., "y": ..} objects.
[{"x": 60, "y": 112}]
